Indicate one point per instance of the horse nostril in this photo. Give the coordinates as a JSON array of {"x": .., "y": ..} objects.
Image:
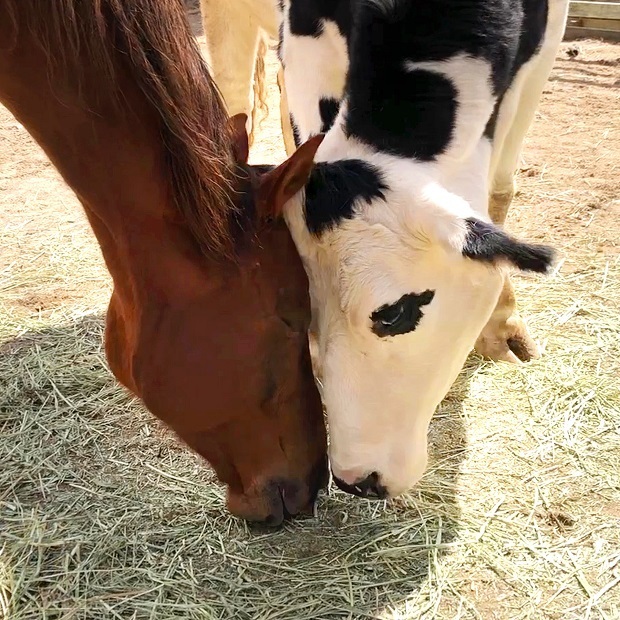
[
  {"x": 289, "y": 497},
  {"x": 369, "y": 487},
  {"x": 277, "y": 509},
  {"x": 275, "y": 519}
]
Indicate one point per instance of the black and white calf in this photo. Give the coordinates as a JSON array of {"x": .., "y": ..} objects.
[{"x": 425, "y": 104}]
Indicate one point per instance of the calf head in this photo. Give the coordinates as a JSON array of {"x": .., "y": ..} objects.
[{"x": 403, "y": 277}]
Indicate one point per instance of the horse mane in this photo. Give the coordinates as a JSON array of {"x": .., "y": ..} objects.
[{"x": 152, "y": 40}]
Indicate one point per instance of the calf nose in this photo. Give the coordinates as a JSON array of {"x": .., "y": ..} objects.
[{"x": 369, "y": 487}]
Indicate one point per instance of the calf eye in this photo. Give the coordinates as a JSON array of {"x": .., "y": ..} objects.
[
  {"x": 390, "y": 315},
  {"x": 402, "y": 316}
]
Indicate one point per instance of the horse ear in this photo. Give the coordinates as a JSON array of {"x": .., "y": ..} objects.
[
  {"x": 279, "y": 185},
  {"x": 241, "y": 144}
]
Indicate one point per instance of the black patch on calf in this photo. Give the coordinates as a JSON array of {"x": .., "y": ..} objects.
[
  {"x": 413, "y": 114},
  {"x": 328, "y": 109},
  {"x": 405, "y": 113},
  {"x": 305, "y": 16},
  {"x": 486, "y": 242},
  {"x": 305, "y": 19},
  {"x": 296, "y": 136},
  {"x": 533, "y": 26},
  {"x": 489, "y": 130},
  {"x": 402, "y": 316},
  {"x": 333, "y": 189}
]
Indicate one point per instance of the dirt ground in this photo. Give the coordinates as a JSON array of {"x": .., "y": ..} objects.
[
  {"x": 51, "y": 274},
  {"x": 568, "y": 182}
]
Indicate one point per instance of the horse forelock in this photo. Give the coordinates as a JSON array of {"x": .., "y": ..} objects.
[{"x": 150, "y": 41}]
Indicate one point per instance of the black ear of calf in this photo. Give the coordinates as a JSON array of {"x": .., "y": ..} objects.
[{"x": 487, "y": 242}]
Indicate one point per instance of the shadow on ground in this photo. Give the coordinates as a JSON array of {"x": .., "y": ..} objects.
[{"x": 86, "y": 468}]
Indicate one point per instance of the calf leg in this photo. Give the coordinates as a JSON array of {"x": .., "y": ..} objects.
[
  {"x": 505, "y": 337},
  {"x": 500, "y": 199},
  {"x": 314, "y": 71}
]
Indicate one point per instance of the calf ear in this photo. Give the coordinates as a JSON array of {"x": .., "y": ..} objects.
[
  {"x": 486, "y": 242},
  {"x": 279, "y": 185},
  {"x": 241, "y": 144}
]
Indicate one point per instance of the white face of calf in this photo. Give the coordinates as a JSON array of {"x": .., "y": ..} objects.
[{"x": 403, "y": 278}]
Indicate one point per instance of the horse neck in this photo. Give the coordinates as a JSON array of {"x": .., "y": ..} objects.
[{"x": 110, "y": 154}]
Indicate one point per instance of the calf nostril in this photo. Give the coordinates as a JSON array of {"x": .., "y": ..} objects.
[
  {"x": 372, "y": 487},
  {"x": 369, "y": 487}
]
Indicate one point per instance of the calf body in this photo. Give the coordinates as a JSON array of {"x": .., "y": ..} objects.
[
  {"x": 452, "y": 83},
  {"x": 425, "y": 105}
]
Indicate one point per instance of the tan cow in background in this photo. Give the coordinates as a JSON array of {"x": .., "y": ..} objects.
[{"x": 238, "y": 34}]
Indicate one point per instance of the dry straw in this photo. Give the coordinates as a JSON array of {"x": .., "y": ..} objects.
[{"x": 104, "y": 515}]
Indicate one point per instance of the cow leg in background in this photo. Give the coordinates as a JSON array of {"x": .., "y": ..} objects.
[
  {"x": 288, "y": 134},
  {"x": 233, "y": 30},
  {"x": 505, "y": 337}
]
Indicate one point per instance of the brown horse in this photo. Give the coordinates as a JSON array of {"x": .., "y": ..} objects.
[{"x": 208, "y": 318}]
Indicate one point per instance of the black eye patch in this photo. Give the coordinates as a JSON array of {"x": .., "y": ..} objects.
[{"x": 402, "y": 316}]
